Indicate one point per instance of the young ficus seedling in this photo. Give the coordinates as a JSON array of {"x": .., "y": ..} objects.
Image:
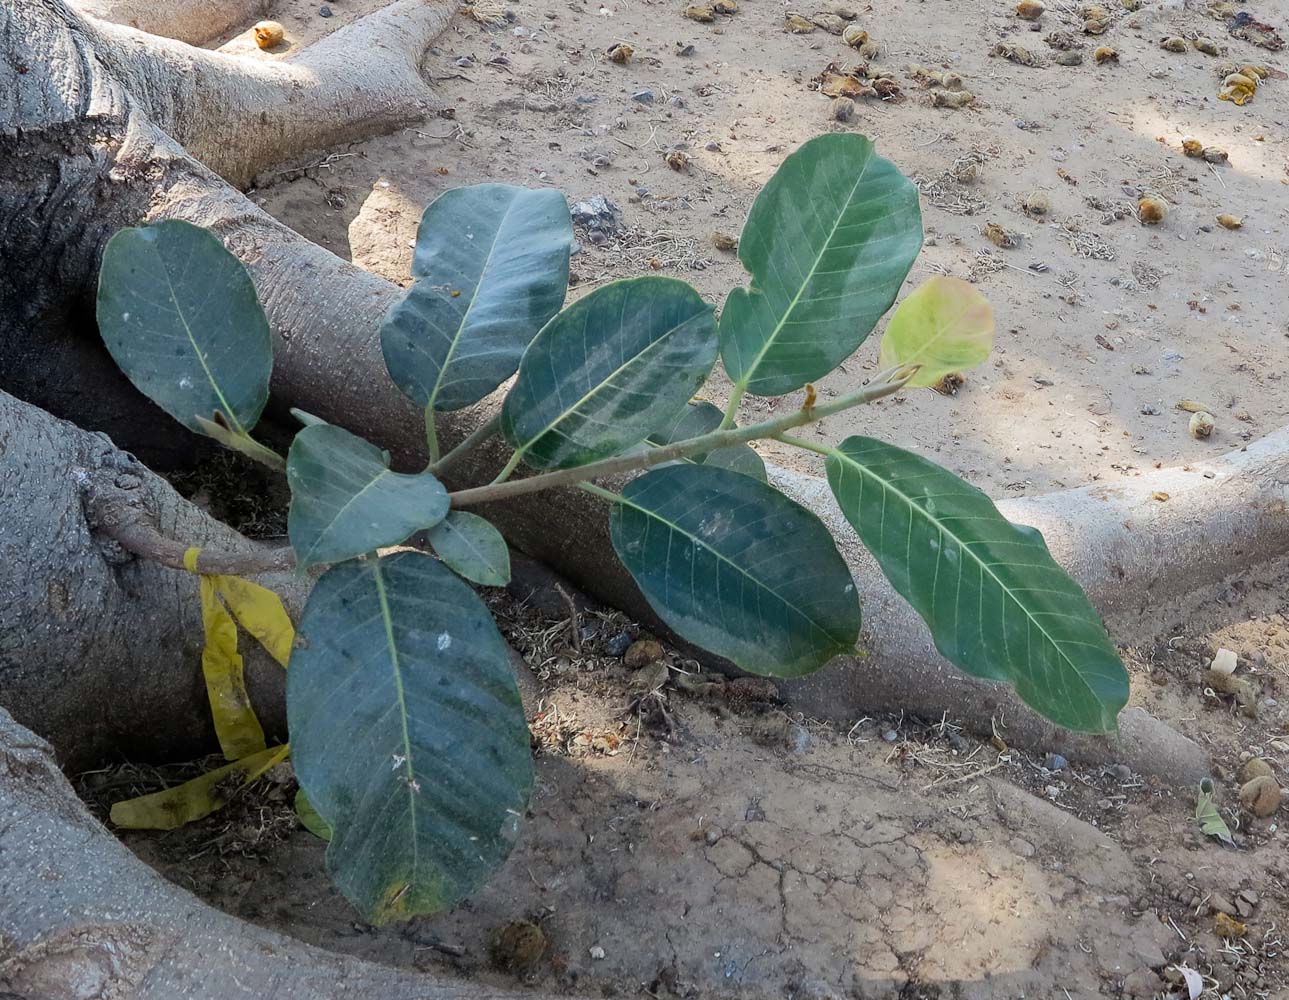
[{"x": 403, "y": 712}]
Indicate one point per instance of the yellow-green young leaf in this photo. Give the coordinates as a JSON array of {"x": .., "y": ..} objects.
[
  {"x": 310, "y": 818},
  {"x": 945, "y": 325},
  {"x": 196, "y": 799},
  {"x": 1211, "y": 822}
]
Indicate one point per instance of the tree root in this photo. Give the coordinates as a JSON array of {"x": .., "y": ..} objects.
[
  {"x": 193, "y": 21},
  {"x": 326, "y": 314},
  {"x": 80, "y": 916}
]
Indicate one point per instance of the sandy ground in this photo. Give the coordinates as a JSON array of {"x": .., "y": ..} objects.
[
  {"x": 689, "y": 837},
  {"x": 1094, "y": 351},
  {"x": 707, "y": 844}
]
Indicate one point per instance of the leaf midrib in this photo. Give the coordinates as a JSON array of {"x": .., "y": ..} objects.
[
  {"x": 410, "y": 773},
  {"x": 970, "y": 552},
  {"x": 474, "y": 297},
  {"x": 725, "y": 559},
  {"x": 750, "y": 373},
  {"x": 228, "y": 410},
  {"x": 598, "y": 388}
]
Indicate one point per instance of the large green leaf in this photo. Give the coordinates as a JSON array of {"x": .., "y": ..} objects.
[
  {"x": 736, "y": 567},
  {"x": 180, "y": 317},
  {"x": 472, "y": 547},
  {"x": 828, "y": 243},
  {"x": 608, "y": 371},
  {"x": 944, "y": 325},
  {"x": 700, "y": 418},
  {"x": 997, "y": 603},
  {"x": 345, "y": 501},
  {"x": 491, "y": 264},
  {"x": 407, "y": 734}
]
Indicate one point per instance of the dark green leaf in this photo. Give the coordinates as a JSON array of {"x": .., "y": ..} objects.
[
  {"x": 997, "y": 603},
  {"x": 472, "y": 547},
  {"x": 491, "y": 264},
  {"x": 180, "y": 316},
  {"x": 736, "y": 567},
  {"x": 309, "y": 818},
  {"x": 609, "y": 370},
  {"x": 828, "y": 243},
  {"x": 700, "y": 418},
  {"x": 407, "y": 734},
  {"x": 345, "y": 501}
]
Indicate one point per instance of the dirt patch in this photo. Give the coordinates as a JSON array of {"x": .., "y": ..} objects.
[
  {"x": 1104, "y": 324},
  {"x": 690, "y": 837}
]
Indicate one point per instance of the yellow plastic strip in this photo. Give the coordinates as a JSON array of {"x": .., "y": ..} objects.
[
  {"x": 239, "y": 731},
  {"x": 195, "y": 799},
  {"x": 259, "y": 611}
]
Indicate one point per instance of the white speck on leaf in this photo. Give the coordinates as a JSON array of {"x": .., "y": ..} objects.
[
  {"x": 444, "y": 642},
  {"x": 125, "y": 317},
  {"x": 185, "y": 383}
]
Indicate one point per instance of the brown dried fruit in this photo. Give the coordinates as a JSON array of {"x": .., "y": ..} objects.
[
  {"x": 854, "y": 36},
  {"x": 520, "y": 946},
  {"x": 1173, "y": 43},
  {"x": 1105, "y": 54},
  {"x": 797, "y": 25},
  {"x": 268, "y": 34},
  {"x": 1201, "y": 425},
  {"x": 870, "y": 50},
  {"x": 999, "y": 236},
  {"x": 1095, "y": 27},
  {"x": 1015, "y": 53},
  {"x": 678, "y": 159},
  {"x": 621, "y": 53},
  {"x": 724, "y": 241},
  {"x": 1192, "y": 147},
  {"x": 842, "y": 109},
  {"x": 1228, "y": 927},
  {"x": 1207, "y": 46},
  {"x": 1062, "y": 40},
  {"x": 1152, "y": 209},
  {"x": 1255, "y": 767},
  {"x": 705, "y": 13},
  {"x": 725, "y": 6},
  {"x": 1229, "y": 221},
  {"x": 1037, "y": 203},
  {"x": 1261, "y": 796},
  {"x": 951, "y": 98},
  {"x": 1070, "y": 57},
  {"x": 1030, "y": 10},
  {"x": 1214, "y": 154},
  {"x": 641, "y": 653},
  {"x": 831, "y": 23}
]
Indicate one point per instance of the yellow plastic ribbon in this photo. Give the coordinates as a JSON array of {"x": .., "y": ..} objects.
[
  {"x": 198, "y": 798},
  {"x": 260, "y": 613}
]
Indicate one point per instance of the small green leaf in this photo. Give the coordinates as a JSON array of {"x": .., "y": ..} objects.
[
  {"x": 345, "y": 501},
  {"x": 997, "y": 603},
  {"x": 737, "y": 568},
  {"x": 179, "y": 314},
  {"x": 1211, "y": 823},
  {"x": 309, "y": 818},
  {"x": 945, "y": 325},
  {"x": 609, "y": 370},
  {"x": 828, "y": 242},
  {"x": 700, "y": 418},
  {"x": 491, "y": 265},
  {"x": 472, "y": 547},
  {"x": 407, "y": 733}
]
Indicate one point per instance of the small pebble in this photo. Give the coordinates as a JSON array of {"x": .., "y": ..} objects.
[
  {"x": 1055, "y": 762},
  {"x": 643, "y": 97},
  {"x": 324, "y": 11},
  {"x": 890, "y": 736},
  {"x": 618, "y": 645}
]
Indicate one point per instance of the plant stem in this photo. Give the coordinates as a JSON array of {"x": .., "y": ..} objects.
[
  {"x": 886, "y": 383},
  {"x": 473, "y": 440},
  {"x": 510, "y": 467},
  {"x": 797, "y": 442},
  {"x": 431, "y": 435},
  {"x": 600, "y": 492},
  {"x": 731, "y": 410}
]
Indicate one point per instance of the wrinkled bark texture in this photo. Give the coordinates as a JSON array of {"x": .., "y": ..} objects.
[{"x": 99, "y": 650}]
